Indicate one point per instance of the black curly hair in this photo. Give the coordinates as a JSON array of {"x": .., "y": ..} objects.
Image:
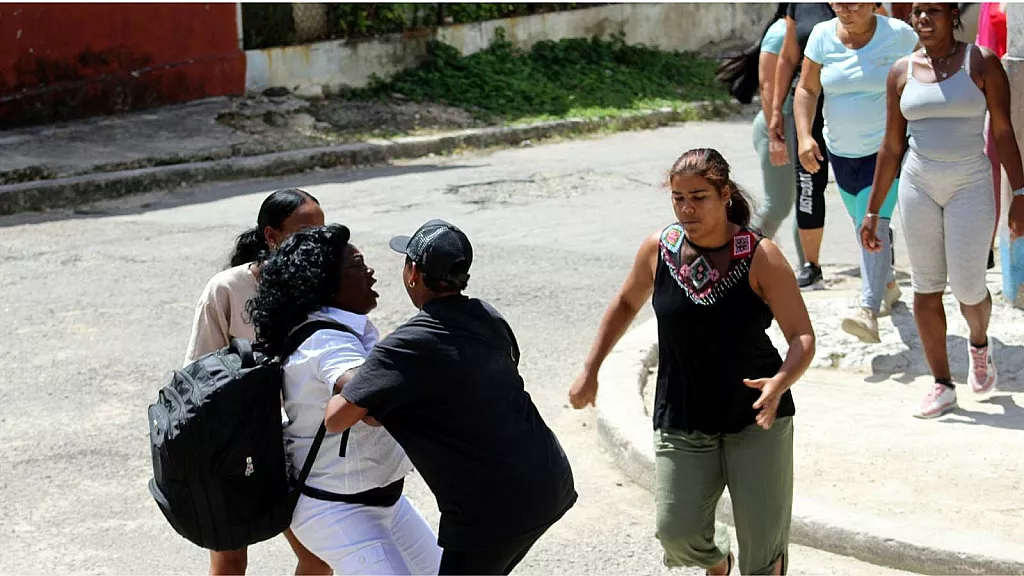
[{"x": 300, "y": 277}]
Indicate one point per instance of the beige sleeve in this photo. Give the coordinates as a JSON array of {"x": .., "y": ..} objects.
[{"x": 211, "y": 324}]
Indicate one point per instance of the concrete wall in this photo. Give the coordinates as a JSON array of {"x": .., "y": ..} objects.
[
  {"x": 1011, "y": 251},
  {"x": 692, "y": 26},
  {"x": 63, "y": 61}
]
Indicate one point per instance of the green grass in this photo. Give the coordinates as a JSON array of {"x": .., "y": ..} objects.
[{"x": 576, "y": 78}]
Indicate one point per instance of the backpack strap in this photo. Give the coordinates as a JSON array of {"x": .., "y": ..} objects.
[
  {"x": 245, "y": 351},
  {"x": 304, "y": 331},
  {"x": 295, "y": 338}
]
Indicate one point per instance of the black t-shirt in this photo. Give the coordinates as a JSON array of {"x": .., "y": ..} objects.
[
  {"x": 446, "y": 386},
  {"x": 807, "y": 15}
]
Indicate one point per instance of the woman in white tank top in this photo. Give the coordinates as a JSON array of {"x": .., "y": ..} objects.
[{"x": 940, "y": 95}]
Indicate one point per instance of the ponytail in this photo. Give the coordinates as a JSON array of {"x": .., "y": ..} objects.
[
  {"x": 250, "y": 246},
  {"x": 738, "y": 212}
]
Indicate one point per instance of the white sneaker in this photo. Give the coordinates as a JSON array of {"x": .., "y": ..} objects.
[
  {"x": 940, "y": 400},
  {"x": 862, "y": 325},
  {"x": 889, "y": 299},
  {"x": 981, "y": 374}
]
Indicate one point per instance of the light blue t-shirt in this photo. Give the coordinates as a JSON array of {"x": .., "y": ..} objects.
[
  {"x": 772, "y": 41},
  {"x": 854, "y": 83},
  {"x": 772, "y": 44}
]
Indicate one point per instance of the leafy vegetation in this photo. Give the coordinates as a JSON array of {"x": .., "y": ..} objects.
[{"x": 572, "y": 77}]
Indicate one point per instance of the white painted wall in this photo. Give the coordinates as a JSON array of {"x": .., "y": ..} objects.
[{"x": 688, "y": 27}]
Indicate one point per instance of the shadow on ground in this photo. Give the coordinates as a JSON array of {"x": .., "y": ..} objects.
[
  {"x": 1012, "y": 417},
  {"x": 214, "y": 191},
  {"x": 906, "y": 366}
]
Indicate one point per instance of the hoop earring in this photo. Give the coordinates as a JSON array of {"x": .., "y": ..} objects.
[{"x": 728, "y": 203}]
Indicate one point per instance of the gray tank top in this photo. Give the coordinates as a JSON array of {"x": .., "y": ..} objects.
[{"x": 946, "y": 119}]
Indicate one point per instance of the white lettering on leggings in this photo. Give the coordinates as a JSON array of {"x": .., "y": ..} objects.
[{"x": 806, "y": 204}]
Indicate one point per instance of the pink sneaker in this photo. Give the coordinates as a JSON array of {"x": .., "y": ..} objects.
[
  {"x": 940, "y": 400},
  {"x": 981, "y": 374}
]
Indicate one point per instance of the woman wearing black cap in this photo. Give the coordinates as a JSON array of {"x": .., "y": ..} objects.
[{"x": 446, "y": 385}]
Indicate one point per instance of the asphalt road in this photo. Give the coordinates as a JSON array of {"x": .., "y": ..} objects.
[{"x": 97, "y": 306}]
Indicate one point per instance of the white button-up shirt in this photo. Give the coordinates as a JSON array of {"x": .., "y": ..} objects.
[{"x": 372, "y": 457}]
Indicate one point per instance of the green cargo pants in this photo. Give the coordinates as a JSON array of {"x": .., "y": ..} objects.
[{"x": 693, "y": 469}]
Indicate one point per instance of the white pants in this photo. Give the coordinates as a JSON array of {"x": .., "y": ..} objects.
[
  {"x": 948, "y": 212},
  {"x": 357, "y": 539}
]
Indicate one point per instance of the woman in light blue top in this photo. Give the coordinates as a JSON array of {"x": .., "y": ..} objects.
[
  {"x": 848, "y": 59},
  {"x": 779, "y": 182}
]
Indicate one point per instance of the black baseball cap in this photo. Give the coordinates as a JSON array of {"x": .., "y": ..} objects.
[{"x": 437, "y": 248}]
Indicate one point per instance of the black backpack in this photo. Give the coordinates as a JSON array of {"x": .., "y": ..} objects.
[{"x": 219, "y": 470}]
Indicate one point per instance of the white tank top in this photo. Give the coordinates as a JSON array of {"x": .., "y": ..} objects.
[{"x": 946, "y": 119}]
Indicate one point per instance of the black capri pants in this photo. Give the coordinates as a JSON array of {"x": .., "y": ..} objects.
[{"x": 810, "y": 188}]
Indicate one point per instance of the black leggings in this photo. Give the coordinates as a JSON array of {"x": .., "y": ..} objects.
[
  {"x": 810, "y": 188},
  {"x": 499, "y": 559}
]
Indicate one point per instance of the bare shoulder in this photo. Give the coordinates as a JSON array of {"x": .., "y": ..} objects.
[
  {"x": 768, "y": 256},
  {"x": 647, "y": 255},
  {"x": 898, "y": 72},
  {"x": 767, "y": 266},
  {"x": 986, "y": 53},
  {"x": 985, "y": 59},
  {"x": 649, "y": 247}
]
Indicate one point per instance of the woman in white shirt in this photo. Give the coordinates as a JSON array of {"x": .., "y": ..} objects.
[
  {"x": 352, "y": 512},
  {"x": 219, "y": 318}
]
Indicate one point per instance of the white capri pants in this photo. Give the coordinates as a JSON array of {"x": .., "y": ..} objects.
[
  {"x": 358, "y": 539},
  {"x": 948, "y": 214}
]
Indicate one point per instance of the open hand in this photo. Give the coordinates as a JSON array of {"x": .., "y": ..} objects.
[
  {"x": 778, "y": 153},
  {"x": 768, "y": 403},
  {"x": 810, "y": 156}
]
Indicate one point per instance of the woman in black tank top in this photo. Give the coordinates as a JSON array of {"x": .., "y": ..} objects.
[{"x": 723, "y": 409}]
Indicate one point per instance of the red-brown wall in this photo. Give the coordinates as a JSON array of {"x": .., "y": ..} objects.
[{"x": 64, "y": 61}]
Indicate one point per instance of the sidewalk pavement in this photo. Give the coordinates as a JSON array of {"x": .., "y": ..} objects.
[
  {"x": 942, "y": 496},
  {"x": 72, "y": 163}
]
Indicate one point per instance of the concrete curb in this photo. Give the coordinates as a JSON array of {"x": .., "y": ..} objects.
[
  {"x": 72, "y": 191},
  {"x": 624, "y": 430}
]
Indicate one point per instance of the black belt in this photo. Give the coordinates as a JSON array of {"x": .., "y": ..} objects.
[{"x": 381, "y": 497}]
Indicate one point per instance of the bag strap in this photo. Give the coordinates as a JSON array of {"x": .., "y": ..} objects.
[
  {"x": 300, "y": 334},
  {"x": 304, "y": 331},
  {"x": 245, "y": 351}
]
